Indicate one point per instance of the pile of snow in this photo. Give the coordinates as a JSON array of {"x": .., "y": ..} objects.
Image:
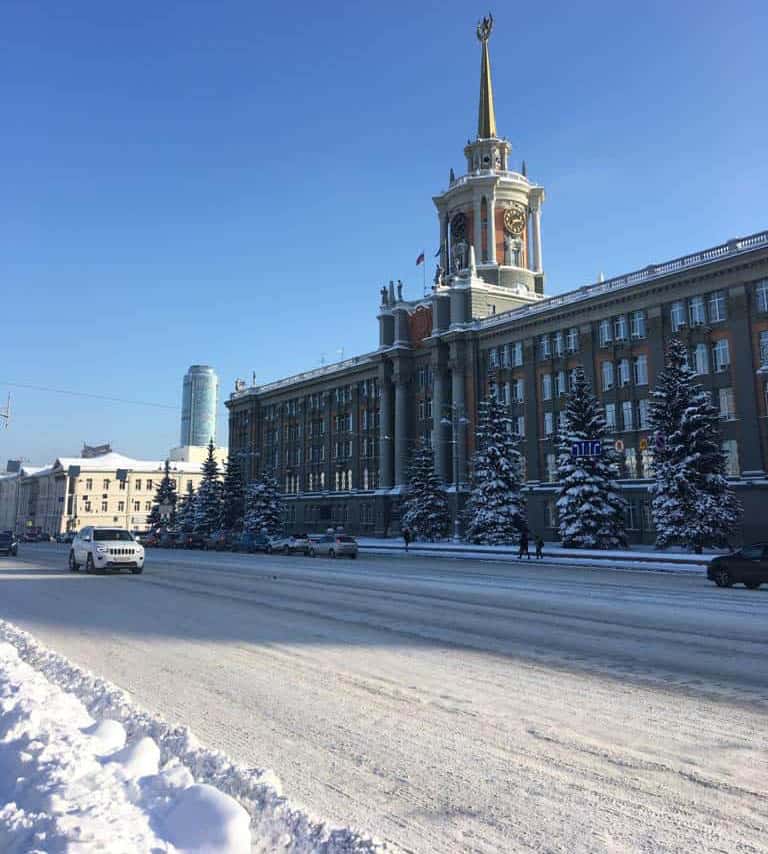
[
  {"x": 82, "y": 767},
  {"x": 69, "y": 783}
]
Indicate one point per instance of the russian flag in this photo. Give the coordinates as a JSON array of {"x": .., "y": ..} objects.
[{"x": 420, "y": 259}]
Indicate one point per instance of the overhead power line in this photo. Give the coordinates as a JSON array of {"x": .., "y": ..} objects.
[{"x": 73, "y": 393}]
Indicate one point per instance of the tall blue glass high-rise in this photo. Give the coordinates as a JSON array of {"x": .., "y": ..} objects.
[{"x": 198, "y": 406}]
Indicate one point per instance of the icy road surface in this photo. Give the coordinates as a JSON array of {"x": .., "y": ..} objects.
[{"x": 444, "y": 705}]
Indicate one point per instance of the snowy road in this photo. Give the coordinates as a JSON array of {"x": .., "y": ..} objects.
[{"x": 444, "y": 705}]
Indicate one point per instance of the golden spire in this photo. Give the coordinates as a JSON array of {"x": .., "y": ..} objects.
[{"x": 486, "y": 118}]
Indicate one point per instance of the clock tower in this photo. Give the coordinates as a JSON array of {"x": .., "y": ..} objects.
[{"x": 490, "y": 218}]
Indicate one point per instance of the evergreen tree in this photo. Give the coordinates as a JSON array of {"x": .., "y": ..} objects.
[
  {"x": 208, "y": 504},
  {"x": 185, "y": 511},
  {"x": 165, "y": 496},
  {"x": 425, "y": 508},
  {"x": 495, "y": 512},
  {"x": 591, "y": 511},
  {"x": 264, "y": 506},
  {"x": 233, "y": 495},
  {"x": 692, "y": 504}
]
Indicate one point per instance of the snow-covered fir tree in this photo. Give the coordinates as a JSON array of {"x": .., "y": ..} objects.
[
  {"x": 692, "y": 503},
  {"x": 165, "y": 496},
  {"x": 495, "y": 512},
  {"x": 590, "y": 509},
  {"x": 264, "y": 506},
  {"x": 233, "y": 495},
  {"x": 425, "y": 508},
  {"x": 185, "y": 511},
  {"x": 208, "y": 504}
]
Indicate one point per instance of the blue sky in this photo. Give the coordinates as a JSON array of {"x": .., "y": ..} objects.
[{"x": 231, "y": 182}]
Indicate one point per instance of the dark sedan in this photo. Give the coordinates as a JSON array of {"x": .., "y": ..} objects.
[
  {"x": 747, "y": 566},
  {"x": 9, "y": 545}
]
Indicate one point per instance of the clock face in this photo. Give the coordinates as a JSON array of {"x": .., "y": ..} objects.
[{"x": 514, "y": 219}]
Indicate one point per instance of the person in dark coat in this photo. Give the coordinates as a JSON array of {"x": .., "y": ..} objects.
[
  {"x": 524, "y": 546},
  {"x": 539, "y": 548},
  {"x": 407, "y": 537}
]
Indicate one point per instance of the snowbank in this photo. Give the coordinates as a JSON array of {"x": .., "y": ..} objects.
[{"x": 81, "y": 765}]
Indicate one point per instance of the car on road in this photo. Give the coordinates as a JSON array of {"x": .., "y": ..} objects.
[
  {"x": 251, "y": 543},
  {"x": 332, "y": 545},
  {"x": 102, "y": 549},
  {"x": 9, "y": 545},
  {"x": 169, "y": 540},
  {"x": 65, "y": 537},
  {"x": 295, "y": 544},
  {"x": 748, "y": 566},
  {"x": 192, "y": 541}
]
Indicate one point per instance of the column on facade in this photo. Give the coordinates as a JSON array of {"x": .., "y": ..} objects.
[
  {"x": 491, "y": 230},
  {"x": 357, "y": 480},
  {"x": 478, "y": 231},
  {"x": 536, "y": 222},
  {"x": 386, "y": 430},
  {"x": 531, "y": 444},
  {"x": 459, "y": 447},
  {"x": 401, "y": 427},
  {"x": 444, "y": 241},
  {"x": 439, "y": 411},
  {"x": 330, "y": 471}
]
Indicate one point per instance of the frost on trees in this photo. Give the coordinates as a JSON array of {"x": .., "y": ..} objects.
[
  {"x": 692, "y": 503},
  {"x": 185, "y": 511},
  {"x": 264, "y": 506},
  {"x": 233, "y": 495},
  {"x": 591, "y": 512},
  {"x": 495, "y": 512},
  {"x": 208, "y": 498},
  {"x": 165, "y": 496},
  {"x": 425, "y": 508}
]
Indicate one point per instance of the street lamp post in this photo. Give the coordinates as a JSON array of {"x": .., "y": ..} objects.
[{"x": 456, "y": 421}]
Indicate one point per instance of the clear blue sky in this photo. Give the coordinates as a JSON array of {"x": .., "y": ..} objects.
[{"x": 232, "y": 182}]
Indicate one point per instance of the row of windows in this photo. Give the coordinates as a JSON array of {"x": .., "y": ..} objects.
[
  {"x": 558, "y": 344},
  {"x": 342, "y": 424},
  {"x": 507, "y": 356},
  {"x": 720, "y": 353},
  {"x": 699, "y": 310},
  {"x": 761, "y": 295},
  {"x": 621, "y": 328},
  {"x": 622, "y": 372},
  {"x": 88, "y": 507},
  {"x": 509, "y": 392},
  {"x": 148, "y": 484},
  {"x": 341, "y": 480}
]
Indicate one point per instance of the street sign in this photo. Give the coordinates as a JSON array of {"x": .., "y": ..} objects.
[
  {"x": 643, "y": 444},
  {"x": 618, "y": 445},
  {"x": 587, "y": 448},
  {"x": 659, "y": 441},
  {"x": 165, "y": 509}
]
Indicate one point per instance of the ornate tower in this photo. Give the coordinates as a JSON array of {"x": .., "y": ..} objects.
[{"x": 490, "y": 220}]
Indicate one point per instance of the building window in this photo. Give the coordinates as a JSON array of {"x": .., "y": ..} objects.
[
  {"x": 761, "y": 295},
  {"x": 610, "y": 416},
  {"x": 643, "y": 414},
  {"x": 103, "y": 506},
  {"x": 105, "y": 484},
  {"x": 731, "y": 451},
  {"x": 551, "y": 514},
  {"x": 122, "y": 485},
  {"x": 138, "y": 486},
  {"x": 560, "y": 387},
  {"x": 147, "y": 506},
  {"x": 623, "y": 372},
  {"x": 552, "y": 468},
  {"x": 544, "y": 351},
  {"x": 546, "y": 387},
  {"x": 607, "y": 373},
  {"x": 717, "y": 306},
  {"x": 519, "y": 388},
  {"x": 696, "y": 311},
  {"x": 548, "y": 424},
  {"x": 559, "y": 343},
  {"x": 421, "y": 410},
  {"x": 493, "y": 357},
  {"x": 520, "y": 426},
  {"x": 630, "y": 461},
  {"x": 89, "y": 483},
  {"x": 137, "y": 506},
  {"x": 562, "y": 422},
  {"x": 87, "y": 506},
  {"x": 721, "y": 357},
  {"x": 620, "y": 327},
  {"x": 605, "y": 333},
  {"x": 573, "y": 376},
  {"x": 517, "y": 354},
  {"x": 727, "y": 404},
  {"x": 573, "y": 340},
  {"x": 121, "y": 506},
  {"x": 627, "y": 415},
  {"x": 641, "y": 370},
  {"x": 638, "y": 324},
  {"x": 428, "y": 407},
  {"x": 701, "y": 359},
  {"x": 677, "y": 316}
]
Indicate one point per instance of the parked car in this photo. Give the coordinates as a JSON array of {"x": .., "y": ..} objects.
[
  {"x": 66, "y": 537},
  {"x": 9, "y": 544},
  {"x": 151, "y": 539},
  {"x": 169, "y": 540},
  {"x": 102, "y": 549},
  {"x": 748, "y": 566},
  {"x": 294, "y": 544},
  {"x": 251, "y": 543},
  {"x": 193, "y": 541},
  {"x": 221, "y": 541},
  {"x": 332, "y": 545}
]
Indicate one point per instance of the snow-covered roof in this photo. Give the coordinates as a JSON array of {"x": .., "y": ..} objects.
[{"x": 109, "y": 463}]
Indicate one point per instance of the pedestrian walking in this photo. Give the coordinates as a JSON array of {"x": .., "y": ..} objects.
[
  {"x": 407, "y": 537},
  {"x": 524, "y": 546},
  {"x": 539, "y": 548}
]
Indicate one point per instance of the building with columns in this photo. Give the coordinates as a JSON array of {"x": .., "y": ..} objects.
[{"x": 339, "y": 437}]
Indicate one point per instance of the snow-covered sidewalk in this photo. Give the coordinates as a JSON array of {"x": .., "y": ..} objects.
[
  {"x": 83, "y": 769},
  {"x": 634, "y": 558}
]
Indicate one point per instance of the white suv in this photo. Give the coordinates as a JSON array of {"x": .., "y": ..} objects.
[{"x": 100, "y": 549}]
